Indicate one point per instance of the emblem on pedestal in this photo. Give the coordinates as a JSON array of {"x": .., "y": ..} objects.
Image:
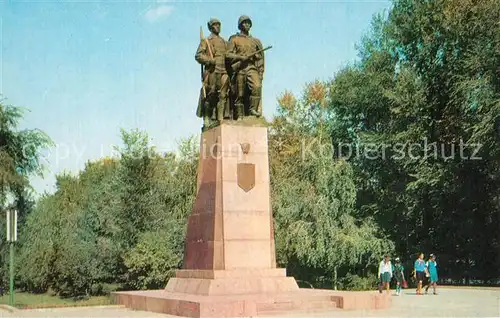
[
  {"x": 246, "y": 176},
  {"x": 245, "y": 147}
]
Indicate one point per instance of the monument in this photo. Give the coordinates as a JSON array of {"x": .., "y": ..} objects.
[
  {"x": 213, "y": 104},
  {"x": 229, "y": 267}
]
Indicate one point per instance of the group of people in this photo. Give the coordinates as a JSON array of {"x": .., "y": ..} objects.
[{"x": 423, "y": 271}]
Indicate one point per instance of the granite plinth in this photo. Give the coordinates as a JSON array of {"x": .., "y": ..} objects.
[
  {"x": 231, "y": 225},
  {"x": 249, "y": 305},
  {"x": 231, "y": 282}
]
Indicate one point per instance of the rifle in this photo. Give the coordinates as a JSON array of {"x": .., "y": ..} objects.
[
  {"x": 201, "y": 65},
  {"x": 237, "y": 65},
  {"x": 203, "y": 75}
]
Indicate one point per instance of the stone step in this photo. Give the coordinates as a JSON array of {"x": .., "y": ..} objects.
[
  {"x": 300, "y": 312},
  {"x": 219, "y": 306},
  {"x": 295, "y": 304}
]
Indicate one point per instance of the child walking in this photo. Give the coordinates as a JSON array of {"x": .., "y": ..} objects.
[
  {"x": 432, "y": 268},
  {"x": 399, "y": 275}
]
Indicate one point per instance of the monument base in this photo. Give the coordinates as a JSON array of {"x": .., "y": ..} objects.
[
  {"x": 229, "y": 267},
  {"x": 242, "y": 293},
  {"x": 249, "y": 305},
  {"x": 232, "y": 282}
]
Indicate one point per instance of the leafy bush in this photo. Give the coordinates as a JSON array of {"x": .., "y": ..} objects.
[{"x": 358, "y": 283}]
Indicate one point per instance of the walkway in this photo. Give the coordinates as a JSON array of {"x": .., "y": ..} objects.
[{"x": 450, "y": 302}]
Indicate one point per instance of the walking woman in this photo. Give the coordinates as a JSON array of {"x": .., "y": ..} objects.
[
  {"x": 432, "y": 268},
  {"x": 399, "y": 276},
  {"x": 385, "y": 273},
  {"x": 420, "y": 271}
]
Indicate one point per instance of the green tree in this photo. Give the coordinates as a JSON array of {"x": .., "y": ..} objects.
[
  {"x": 428, "y": 78},
  {"x": 20, "y": 158},
  {"x": 76, "y": 243},
  {"x": 159, "y": 250},
  {"x": 319, "y": 238}
]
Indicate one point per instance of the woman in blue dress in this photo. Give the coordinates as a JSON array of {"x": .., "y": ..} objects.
[
  {"x": 432, "y": 268},
  {"x": 420, "y": 271}
]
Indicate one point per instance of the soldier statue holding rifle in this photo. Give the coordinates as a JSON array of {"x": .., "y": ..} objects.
[
  {"x": 231, "y": 74},
  {"x": 213, "y": 103},
  {"x": 246, "y": 56}
]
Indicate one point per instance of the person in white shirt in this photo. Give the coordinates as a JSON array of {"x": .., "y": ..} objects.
[{"x": 385, "y": 273}]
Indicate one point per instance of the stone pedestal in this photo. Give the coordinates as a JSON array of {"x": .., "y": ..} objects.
[
  {"x": 229, "y": 260},
  {"x": 230, "y": 240}
]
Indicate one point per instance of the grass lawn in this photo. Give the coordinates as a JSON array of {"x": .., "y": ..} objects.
[{"x": 28, "y": 300}]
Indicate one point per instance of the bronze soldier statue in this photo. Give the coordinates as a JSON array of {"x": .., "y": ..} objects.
[
  {"x": 211, "y": 54},
  {"x": 246, "y": 54}
]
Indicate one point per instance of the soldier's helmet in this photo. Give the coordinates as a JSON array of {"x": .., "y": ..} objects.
[
  {"x": 212, "y": 22},
  {"x": 244, "y": 18}
]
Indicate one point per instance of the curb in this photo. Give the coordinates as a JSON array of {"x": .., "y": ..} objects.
[
  {"x": 73, "y": 307},
  {"x": 8, "y": 308},
  {"x": 469, "y": 287}
]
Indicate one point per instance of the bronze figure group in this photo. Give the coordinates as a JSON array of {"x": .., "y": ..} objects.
[{"x": 232, "y": 72}]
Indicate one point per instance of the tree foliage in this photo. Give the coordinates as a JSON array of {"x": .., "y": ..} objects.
[
  {"x": 20, "y": 158},
  {"x": 319, "y": 235},
  {"x": 119, "y": 221},
  {"x": 426, "y": 96}
]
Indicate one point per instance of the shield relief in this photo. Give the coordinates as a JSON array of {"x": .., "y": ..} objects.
[{"x": 246, "y": 176}]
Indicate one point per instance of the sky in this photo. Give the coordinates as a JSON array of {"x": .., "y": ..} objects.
[{"x": 85, "y": 69}]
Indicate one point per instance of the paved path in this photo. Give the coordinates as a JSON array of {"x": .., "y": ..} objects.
[{"x": 451, "y": 302}]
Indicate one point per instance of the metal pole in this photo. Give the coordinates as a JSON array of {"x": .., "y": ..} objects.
[{"x": 11, "y": 293}]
